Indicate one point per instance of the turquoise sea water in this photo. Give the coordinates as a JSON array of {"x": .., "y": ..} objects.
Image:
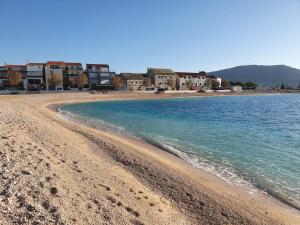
[{"x": 245, "y": 140}]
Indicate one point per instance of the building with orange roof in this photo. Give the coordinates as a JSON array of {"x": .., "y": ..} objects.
[
  {"x": 9, "y": 70},
  {"x": 72, "y": 72},
  {"x": 54, "y": 75},
  {"x": 63, "y": 75}
]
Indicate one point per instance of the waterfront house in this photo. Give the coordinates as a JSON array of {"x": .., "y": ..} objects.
[
  {"x": 9, "y": 71},
  {"x": 214, "y": 82},
  {"x": 54, "y": 75},
  {"x": 192, "y": 81},
  {"x": 236, "y": 88},
  {"x": 71, "y": 74},
  {"x": 35, "y": 76},
  {"x": 99, "y": 75},
  {"x": 137, "y": 81},
  {"x": 162, "y": 78}
]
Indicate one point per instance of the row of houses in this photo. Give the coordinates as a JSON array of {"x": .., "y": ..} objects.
[
  {"x": 55, "y": 75},
  {"x": 170, "y": 80},
  {"x": 59, "y": 75}
]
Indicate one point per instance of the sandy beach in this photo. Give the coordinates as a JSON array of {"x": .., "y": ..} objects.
[{"x": 57, "y": 171}]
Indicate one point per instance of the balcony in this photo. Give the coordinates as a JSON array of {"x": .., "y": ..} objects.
[{"x": 35, "y": 73}]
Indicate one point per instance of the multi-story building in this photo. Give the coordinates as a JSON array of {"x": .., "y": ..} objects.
[
  {"x": 54, "y": 75},
  {"x": 35, "y": 77},
  {"x": 192, "y": 81},
  {"x": 3, "y": 76},
  {"x": 100, "y": 77},
  {"x": 136, "y": 81},
  {"x": 162, "y": 78},
  {"x": 72, "y": 71},
  {"x": 11, "y": 70}
]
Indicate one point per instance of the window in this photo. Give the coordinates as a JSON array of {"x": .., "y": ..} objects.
[{"x": 54, "y": 67}]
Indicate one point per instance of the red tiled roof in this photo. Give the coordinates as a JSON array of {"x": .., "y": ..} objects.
[
  {"x": 72, "y": 64},
  {"x": 55, "y": 63}
]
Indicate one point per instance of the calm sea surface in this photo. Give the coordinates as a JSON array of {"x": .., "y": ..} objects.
[{"x": 245, "y": 140}]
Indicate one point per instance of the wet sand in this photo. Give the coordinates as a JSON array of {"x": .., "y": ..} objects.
[{"x": 56, "y": 171}]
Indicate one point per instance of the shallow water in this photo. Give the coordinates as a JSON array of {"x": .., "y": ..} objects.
[{"x": 245, "y": 140}]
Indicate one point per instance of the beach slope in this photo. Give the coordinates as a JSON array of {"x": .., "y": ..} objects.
[{"x": 55, "y": 171}]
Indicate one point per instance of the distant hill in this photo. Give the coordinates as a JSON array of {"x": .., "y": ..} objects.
[{"x": 261, "y": 75}]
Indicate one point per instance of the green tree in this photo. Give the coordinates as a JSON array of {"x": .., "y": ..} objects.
[
  {"x": 225, "y": 84},
  {"x": 215, "y": 84},
  {"x": 249, "y": 86},
  {"x": 282, "y": 86}
]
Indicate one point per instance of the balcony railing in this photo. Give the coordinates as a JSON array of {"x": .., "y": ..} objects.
[{"x": 35, "y": 73}]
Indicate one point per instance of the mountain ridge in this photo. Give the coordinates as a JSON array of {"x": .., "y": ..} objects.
[{"x": 263, "y": 75}]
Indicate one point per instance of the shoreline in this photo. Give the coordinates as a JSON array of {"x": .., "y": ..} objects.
[
  {"x": 108, "y": 179},
  {"x": 259, "y": 193}
]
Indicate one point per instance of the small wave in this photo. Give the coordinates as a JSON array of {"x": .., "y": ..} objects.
[
  {"x": 226, "y": 173},
  {"x": 95, "y": 123}
]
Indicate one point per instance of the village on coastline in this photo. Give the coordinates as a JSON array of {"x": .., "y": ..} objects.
[{"x": 71, "y": 76}]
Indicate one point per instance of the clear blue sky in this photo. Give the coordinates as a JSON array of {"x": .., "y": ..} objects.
[{"x": 131, "y": 35}]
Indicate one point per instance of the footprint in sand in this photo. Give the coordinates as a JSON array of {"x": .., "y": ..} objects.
[{"x": 131, "y": 211}]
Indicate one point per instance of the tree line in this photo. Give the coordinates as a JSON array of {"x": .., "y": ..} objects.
[{"x": 226, "y": 84}]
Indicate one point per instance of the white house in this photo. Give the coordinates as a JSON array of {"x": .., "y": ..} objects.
[
  {"x": 137, "y": 81},
  {"x": 162, "y": 78},
  {"x": 236, "y": 88},
  {"x": 35, "y": 76},
  {"x": 191, "y": 81},
  {"x": 54, "y": 75}
]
